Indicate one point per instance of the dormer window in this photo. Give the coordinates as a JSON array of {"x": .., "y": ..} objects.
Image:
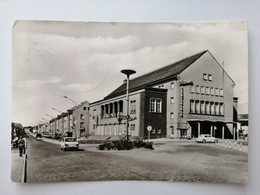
[
  {"x": 205, "y": 77},
  {"x": 210, "y": 77}
]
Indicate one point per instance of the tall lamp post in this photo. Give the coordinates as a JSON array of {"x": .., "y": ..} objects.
[
  {"x": 127, "y": 72},
  {"x": 70, "y": 100},
  {"x": 56, "y": 110},
  {"x": 49, "y": 115}
]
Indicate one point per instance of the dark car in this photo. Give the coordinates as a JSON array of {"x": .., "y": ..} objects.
[{"x": 38, "y": 136}]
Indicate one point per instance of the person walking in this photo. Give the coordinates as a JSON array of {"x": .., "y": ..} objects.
[{"x": 21, "y": 146}]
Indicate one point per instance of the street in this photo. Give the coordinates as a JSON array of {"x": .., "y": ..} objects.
[{"x": 175, "y": 161}]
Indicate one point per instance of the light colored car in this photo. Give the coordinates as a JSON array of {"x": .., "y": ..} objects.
[
  {"x": 69, "y": 143},
  {"x": 203, "y": 138}
]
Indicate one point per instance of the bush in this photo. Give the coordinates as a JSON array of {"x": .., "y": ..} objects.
[{"x": 125, "y": 145}]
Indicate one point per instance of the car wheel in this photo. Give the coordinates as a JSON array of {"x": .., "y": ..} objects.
[
  {"x": 216, "y": 141},
  {"x": 204, "y": 141}
]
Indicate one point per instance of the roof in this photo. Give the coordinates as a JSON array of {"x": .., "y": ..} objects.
[{"x": 156, "y": 76}]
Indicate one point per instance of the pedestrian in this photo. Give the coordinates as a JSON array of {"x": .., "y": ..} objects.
[{"x": 21, "y": 146}]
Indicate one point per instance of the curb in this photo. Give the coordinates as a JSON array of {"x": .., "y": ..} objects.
[{"x": 24, "y": 170}]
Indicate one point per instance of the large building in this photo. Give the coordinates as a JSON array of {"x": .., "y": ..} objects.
[
  {"x": 191, "y": 97},
  {"x": 74, "y": 122}
]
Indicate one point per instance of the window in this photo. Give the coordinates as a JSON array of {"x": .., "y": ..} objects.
[
  {"x": 172, "y": 129},
  {"x": 197, "y": 106},
  {"x": 152, "y": 105},
  {"x": 121, "y": 106},
  {"x": 171, "y": 115},
  {"x": 207, "y": 90},
  {"x": 202, "y": 107},
  {"x": 205, "y": 77},
  {"x": 192, "y": 88},
  {"x": 212, "y": 91},
  {"x": 217, "y": 92},
  {"x": 197, "y": 89},
  {"x": 132, "y": 127},
  {"x": 158, "y": 105},
  {"x": 221, "y": 109},
  {"x": 172, "y": 100},
  {"x": 81, "y": 125},
  {"x": 221, "y": 92},
  {"x": 207, "y": 108},
  {"x": 202, "y": 90},
  {"x": 172, "y": 85},
  {"x": 216, "y": 108},
  {"x": 155, "y": 105},
  {"x": 133, "y": 107},
  {"x": 102, "y": 111},
  {"x": 192, "y": 106},
  {"x": 81, "y": 116},
  {"x": 212, "y": 109},
  {"x": 210, "y": 77},
  {"x": 84, "y": 108}
]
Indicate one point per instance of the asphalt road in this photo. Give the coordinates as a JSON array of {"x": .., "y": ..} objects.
[{"x": 174, "y": 161}]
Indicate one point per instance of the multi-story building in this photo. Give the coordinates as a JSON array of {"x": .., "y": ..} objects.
[
  {"x": 81, "y": 120},
  {"x": 74, "y": 122},
  {"x": 191, "y": 97}
]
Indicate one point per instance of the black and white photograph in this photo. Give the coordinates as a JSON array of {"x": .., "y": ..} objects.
[{"x": 129, "y": 101}]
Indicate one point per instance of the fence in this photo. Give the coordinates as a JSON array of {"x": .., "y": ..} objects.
[{"x": 240, "y": 145}]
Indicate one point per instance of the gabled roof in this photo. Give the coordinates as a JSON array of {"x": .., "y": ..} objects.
[{"x": 156, "y": 76}]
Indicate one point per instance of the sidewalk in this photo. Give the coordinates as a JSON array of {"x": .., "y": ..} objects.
[{"x": 17, "y": 166}]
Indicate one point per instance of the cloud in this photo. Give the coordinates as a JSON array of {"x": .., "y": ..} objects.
[{"x": 34, "y": 83}]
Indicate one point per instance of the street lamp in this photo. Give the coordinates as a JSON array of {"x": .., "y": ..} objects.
[
  {"x": 70, "y": 100},
  {"x": 127, "y": 72},
  {"x": 49, "y": 115},
  {"x": 56, "y": 110}
]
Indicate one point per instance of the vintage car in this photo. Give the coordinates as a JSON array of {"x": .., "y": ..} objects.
[
  {"x": 69, "y": 143},
  {"x": 204, "y": 138},
  {"x": 38, "y": 136}
]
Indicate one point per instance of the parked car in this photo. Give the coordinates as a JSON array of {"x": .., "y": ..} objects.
[
  {"x": 69, "y": 143},
  {"x": 38, "y": 136},
  {"x": 203, "y": 138}
]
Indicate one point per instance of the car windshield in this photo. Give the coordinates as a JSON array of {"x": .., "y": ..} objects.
[{"x": 70, "y": 139}]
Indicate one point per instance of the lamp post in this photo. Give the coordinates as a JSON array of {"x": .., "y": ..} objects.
[
  {"x": 49, "y": 115},
  {"x": 127, "y": 72},
  {"x": 70, "y": 100},
  {"x": 56, "y": 110}
]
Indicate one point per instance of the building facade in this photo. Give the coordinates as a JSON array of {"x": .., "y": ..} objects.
[{"x": 191, "y": 97}]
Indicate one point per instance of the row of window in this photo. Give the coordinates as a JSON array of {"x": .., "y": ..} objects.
[
  {"x": 206, "y": 107},
  {"x": 112, "y": 109},
  {"x": 207, "y": 90}
]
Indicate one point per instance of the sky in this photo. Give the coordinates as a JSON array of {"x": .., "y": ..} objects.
[{"x": 82, "y": 60}]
